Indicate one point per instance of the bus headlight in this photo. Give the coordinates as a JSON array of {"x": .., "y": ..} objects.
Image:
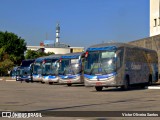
[{"x": 29, "y": 76}]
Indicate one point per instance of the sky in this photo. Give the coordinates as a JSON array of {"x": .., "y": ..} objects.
[{"x": 83, "y": 22}]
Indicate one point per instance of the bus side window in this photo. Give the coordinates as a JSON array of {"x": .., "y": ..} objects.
[
  {"x": 118, "y": 62},
  {"x": 119, "y": 59}
]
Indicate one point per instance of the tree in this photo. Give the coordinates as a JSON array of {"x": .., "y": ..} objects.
[
  {"x": 13, "y": 46},
  {"x": 5, "y": 63},
  {"x": 30, "y": 54}
]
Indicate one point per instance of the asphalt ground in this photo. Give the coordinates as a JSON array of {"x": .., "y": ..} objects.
[{"x": 46, "y": 99}]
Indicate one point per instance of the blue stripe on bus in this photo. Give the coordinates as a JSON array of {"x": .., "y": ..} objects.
[
  {"x": 100, "y": 76},
  {"x": 68, "y": 76},
  {"x": 70, "y": 57},
  {"x": 49, "y": 77},
  {"x": 102, "y": 48}
]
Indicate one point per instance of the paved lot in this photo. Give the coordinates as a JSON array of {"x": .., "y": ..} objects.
[{"x": 16, "y": 96}]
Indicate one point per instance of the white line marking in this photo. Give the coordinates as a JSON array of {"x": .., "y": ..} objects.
[
  {"x": 154, "y": 87},
  {"x": 10, "y": 80}
]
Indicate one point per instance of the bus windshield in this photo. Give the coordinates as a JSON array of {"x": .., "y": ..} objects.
[
  {"x": 100, "y": 63},
  {"x": 50, "y": 68},
  {"x": 69, "y": 67},
  {"x": 13, "y": 73},
  {"x": 37, "y": 68},
  {"x": 24, "y": 71}
]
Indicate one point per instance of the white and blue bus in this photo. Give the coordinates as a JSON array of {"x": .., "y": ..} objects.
[
  {"x": 13, "y": 72},
  {"x": 50, "y": 69},
  {"x": 119, "y": 65},
  {"x": 37, "y": 69},
  {"x": 24, "y": 72},
  {"x": 71, "y": 68}
]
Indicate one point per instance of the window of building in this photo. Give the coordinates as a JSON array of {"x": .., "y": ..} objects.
[{"x": 155, "y": 22}]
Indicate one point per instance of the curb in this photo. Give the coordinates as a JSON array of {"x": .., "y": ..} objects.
[
  {"x": 10, "y": 80},
  {"x": 153, "y": 87}
]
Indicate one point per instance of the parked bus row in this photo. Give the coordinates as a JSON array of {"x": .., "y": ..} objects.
[{"x": 102, "y": 65}]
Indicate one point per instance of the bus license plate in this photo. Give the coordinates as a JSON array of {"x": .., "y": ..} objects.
[
  {"x": 68, "y": 81},
  {"x": 98, "y": 83}
]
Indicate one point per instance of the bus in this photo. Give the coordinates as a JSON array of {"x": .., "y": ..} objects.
[
  {"x": 13, "y": 72},
  {"x": 119, "y": 65},
  {"x": 71, "y": 68},
  {"x": 37, "y": 69},
  {"x": 50, "y": 69},
  {"x": 24, "y": 72}
]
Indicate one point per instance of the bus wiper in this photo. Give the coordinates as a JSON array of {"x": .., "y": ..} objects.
[
  {"x": 72, "y": 69},
  {"x": 92, "y": 69},
  {"x": 103, "y": 68}
]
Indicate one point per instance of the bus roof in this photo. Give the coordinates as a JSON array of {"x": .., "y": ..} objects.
[
  {"x": 114, "y": 46},
  {"x": 54, "y": 56},
  {"x": 27, "y": 62},
  {"x": 72, "y": 55},
  {"x": 40, "y": 59},
  {"x": 15, "y": 68}
]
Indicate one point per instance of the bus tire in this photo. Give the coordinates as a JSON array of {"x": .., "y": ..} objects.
[
  {"x": 150, "y": 80},
  {"x": 69, "y": 84},
  {"x": 99, "y": 88},
  {"x": 27, "y": 81},
  {"x": 42, "y": 82},
  {"x": 31, "y": 80},
  {"x": 143, "y": 86},
  {"x": 50, "y": 83},
  {"x": 126, "y": 85}
]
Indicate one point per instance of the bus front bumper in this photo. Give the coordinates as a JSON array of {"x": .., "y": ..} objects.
[
  {"x": 37, "y": 79},
  {"x": 108, "y": 82},
  {"x": 48, "y": 80},
  {"x": 76, "y": 80}
]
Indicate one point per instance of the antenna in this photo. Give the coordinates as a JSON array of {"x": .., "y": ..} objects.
[{"x": 57, "y": 33}]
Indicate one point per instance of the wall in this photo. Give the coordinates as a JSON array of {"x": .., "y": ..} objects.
[
  {"x": 150, "y": 43},
  {"x": 76, "y": 49},
  {"x": 57, "y": 50},
  {"x": 154, "y": 17}
]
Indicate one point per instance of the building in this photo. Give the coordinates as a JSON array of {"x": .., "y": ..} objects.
[
  {"x": 35, "y": 48},
  {"x": 152, "y": 42},
  {"x": 57, "y": 47},
  {"x": 154, "y": 17}
]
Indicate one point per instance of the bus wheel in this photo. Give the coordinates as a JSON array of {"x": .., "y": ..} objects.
[
  {"x": 150, "y": 80},
  {"x": 42, "y": 82},
  {"x": 99, "y": 88},
  {"x": 69, "y": 84},
  {"x": 50, "y": 83},
  {"x": 27, "y": 81},
  {"x": 126, "y": 86},
  {"x": 143, "y": 86},
  {"x": 31, "y": 80}
]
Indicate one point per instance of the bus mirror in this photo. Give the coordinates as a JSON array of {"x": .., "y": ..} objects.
[
  {"x": 86, "y": 54},
  {"x": 60, "y": 60},
  {"x": 43, "y": 62}
]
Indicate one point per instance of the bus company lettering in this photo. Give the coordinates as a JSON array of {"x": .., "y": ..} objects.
[{"x": 135, "y": 66}]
